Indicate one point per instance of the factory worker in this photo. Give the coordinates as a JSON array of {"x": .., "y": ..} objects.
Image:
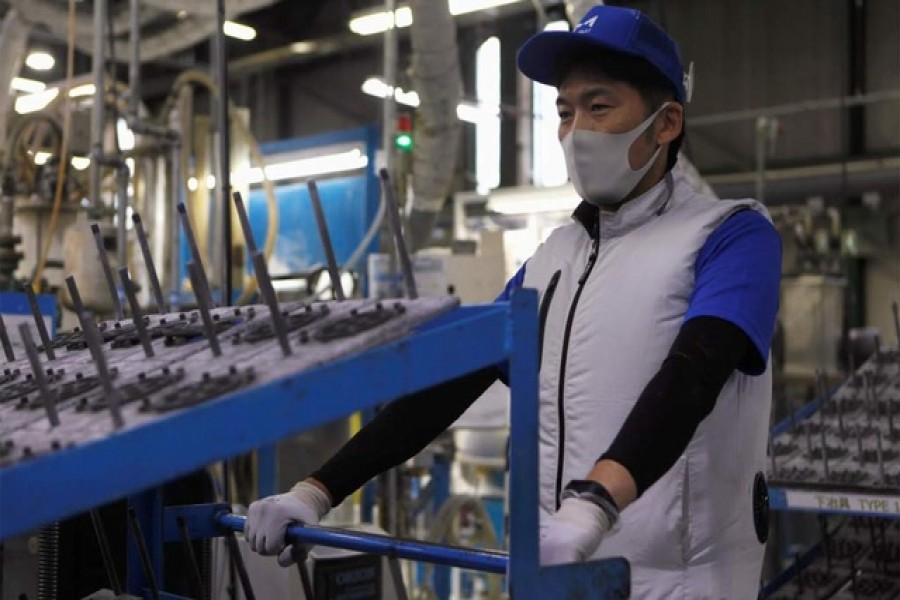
[{"x": 657, "y": 308}]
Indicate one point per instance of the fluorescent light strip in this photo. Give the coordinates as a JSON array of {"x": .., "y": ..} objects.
[
  {"x": 239, "y": 31},
  {"x": 379, "y": 22},
  {"x": 469, "y": 112},
  {"x": 326, "y": 164}
]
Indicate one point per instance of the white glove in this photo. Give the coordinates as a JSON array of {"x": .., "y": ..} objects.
[
  {"x": 574, "y": 533},
  {"x": 268, "y": 519}
]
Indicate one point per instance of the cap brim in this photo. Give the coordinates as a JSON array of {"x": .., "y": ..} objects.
[{"x": 540, "y": 58}]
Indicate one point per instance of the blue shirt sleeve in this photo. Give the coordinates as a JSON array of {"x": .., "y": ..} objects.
[
  {"x": 513, "y": 284},
  {"x": 738, "y": 277}
]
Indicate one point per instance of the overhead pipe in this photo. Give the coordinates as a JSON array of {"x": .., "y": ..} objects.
[
  {"x": 193, "y": 29},
  {"x": 785, "y": 186}
]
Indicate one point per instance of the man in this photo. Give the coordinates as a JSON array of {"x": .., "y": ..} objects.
[{"x": 657, "y": 310}]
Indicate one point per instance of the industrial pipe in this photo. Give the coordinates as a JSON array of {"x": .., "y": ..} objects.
[
  {"x": 490, "y": 561},
  {"x": 98, "y": 114}
]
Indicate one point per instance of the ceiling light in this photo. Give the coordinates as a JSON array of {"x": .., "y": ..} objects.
[
  {"x": 41, "y": 158},
  {"x": 337, "y": 162},
  {"x": 35, "y": 102},
  {"x": 374, "y": 86},
  {"x": 82, "y": 91},
  {"x": 40, "y": 61},
  {"x": 182, "y": 14},
  {"x": 378, "y": 22},
  {"x": 28, "y": 86},
  {"x": 466, "y": 111},
  {"x": 304, "y": 47},
  {"x": 238, "y": 31},
  {"x": 80, "y": 163}
]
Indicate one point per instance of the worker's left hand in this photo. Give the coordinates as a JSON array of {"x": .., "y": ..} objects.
[{"x": 574, "y": 533}]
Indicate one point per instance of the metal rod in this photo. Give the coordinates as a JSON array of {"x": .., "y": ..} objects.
[
  {"x": 389, "y": 104},
  {"x": 196, "y": 577},
  {"x": 268, "y": 294},
  {"x": 890, "y": 415},
  {"x": 155, "y": 288},
  {"x": 880, "y": 450},
  {"x": 107, "y": 270},
  {"x": 208, "y": 327},
  {"x": 824, "y": 452},
  {"x": 95, "y": 345},
  {"x": 175, "y": 239},
  {"x": 331, "y": 261},
  {"x": 7, "y": 345},
  {"x": 238, "y": 561},
  {"x": 134, "y": 66},
  {"x": 98, "y": 113},
  {"x": 840, "y": 415},
  {"x": 867, "y": 395},
  {"x": 393, "y": 210},
  {"x": 143, "y": 553},
  {"x": 47, "y": 395},
  {"x": 809, "y": 444},
  {"x": 772, "y": 457},
  {"x": 39, "y": 321},
  {"x": 122, "y": 175},
  {"x": 75, "y": 296},
  {"x": 467, "y": 558},
  {"x": 397, "y": 577},
  {"x": 136, "y": 315},
  {"x": 244, "y": 220},
  {"x": 859, "y": 444},
  {"x": 223, "y": 125},
  {"x": 105, "y": 553},
  {"x": 896, "y": 311},
  {"x": 195, "y": 251},
  {"x": 304, "y": 580}
]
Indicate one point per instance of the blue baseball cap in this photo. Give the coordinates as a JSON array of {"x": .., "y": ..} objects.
[{"x": 614, "y": 28}]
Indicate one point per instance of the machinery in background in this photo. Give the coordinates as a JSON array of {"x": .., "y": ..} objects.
[{"x": 838, "y": 456}]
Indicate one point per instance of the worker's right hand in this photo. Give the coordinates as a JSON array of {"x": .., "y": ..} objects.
[{"x": 268, "y": 519}]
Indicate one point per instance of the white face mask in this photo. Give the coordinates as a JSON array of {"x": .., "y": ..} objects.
[{"x": 598, "y": 162}]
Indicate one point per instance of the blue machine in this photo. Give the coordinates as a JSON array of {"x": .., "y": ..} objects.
[
  {"x": 349, "y": 201},
  {"x": 135, "y": 461}
]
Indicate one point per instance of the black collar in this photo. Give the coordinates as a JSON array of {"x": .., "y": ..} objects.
[{"x": 588, "y": 215}]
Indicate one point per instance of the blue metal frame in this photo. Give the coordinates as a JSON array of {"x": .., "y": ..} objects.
[{"x": 470, "y": 338}]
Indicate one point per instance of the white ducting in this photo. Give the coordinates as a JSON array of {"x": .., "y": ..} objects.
[
  {"x": 436, "y": 77},
  {"x": 195, "y": 27}
]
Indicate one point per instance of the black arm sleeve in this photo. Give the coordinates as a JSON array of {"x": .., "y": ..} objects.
[
  {"x": 399, "y": 431},
  {"x": 681, "y": 394}
]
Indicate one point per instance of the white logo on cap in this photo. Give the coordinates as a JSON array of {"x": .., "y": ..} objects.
[{"x": 586, "y": 26}]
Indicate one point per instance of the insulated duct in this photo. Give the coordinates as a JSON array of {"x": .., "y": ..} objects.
[
  {"x": 436, "y": 77},
  {"x": 195, "y": 27}
]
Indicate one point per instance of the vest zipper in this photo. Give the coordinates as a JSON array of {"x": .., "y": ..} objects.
[
  {"x": 545, "y": 310},
  {"x": 560, "y": 405}
]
